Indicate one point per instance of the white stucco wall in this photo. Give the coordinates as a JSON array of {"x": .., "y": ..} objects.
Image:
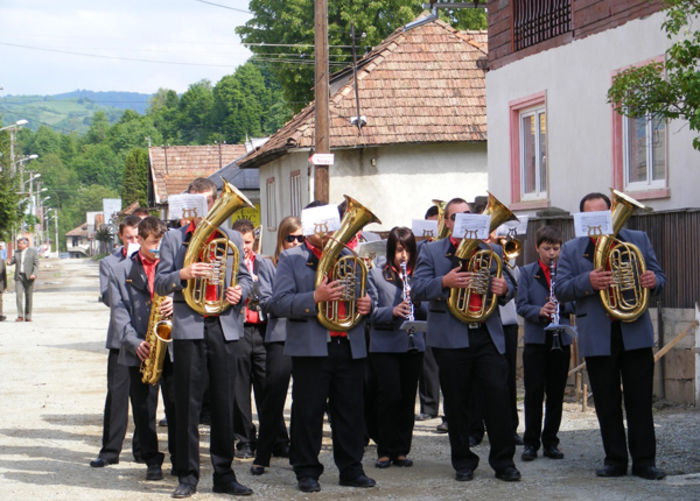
[
  {"x": 397, "y": 183},
  {"x": 576, "y": 78}
]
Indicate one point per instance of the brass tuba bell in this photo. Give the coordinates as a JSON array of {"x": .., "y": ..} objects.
[
  {"x": 625, "y": 299},
  {"x": 216, "y": 252},
  {"x": 158, "y": 336},
  {"x": 344, "y": 269},
  {"x": 479, "y": 263}
]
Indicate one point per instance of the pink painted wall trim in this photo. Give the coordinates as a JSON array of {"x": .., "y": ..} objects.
[{"x": 514, "y": 108}]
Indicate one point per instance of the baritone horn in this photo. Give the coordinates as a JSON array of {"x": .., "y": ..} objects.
[
  {"x": 625, "y": 299},
  {"x": 350, "y": 270},
  {"x": 214, "y": 251},
  {"x": 479, "y": 263}
]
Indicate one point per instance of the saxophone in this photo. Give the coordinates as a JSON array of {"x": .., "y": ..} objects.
[{"x": 158, "y": 336}]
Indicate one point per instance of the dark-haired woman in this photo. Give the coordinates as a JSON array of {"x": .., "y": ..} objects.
[
  {"x": 395, "y": 358},
  {"x": 273, "y": 437}
]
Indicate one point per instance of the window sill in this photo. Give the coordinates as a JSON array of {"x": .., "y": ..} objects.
[
  {"x": 649, "y": 194},
  {"x": 529, "y": 204}
]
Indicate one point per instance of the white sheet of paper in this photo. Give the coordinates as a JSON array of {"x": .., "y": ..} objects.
[
  {"x": 591, "y": 224},
  {"x": 187, "y": 206},
  {"x": 472, "y": 226},
  {"x": 131, "y": 249},
  {"x": 520, "y": 227},
  {"x": 320, "y": 219},
  {"x": 425, "y": 228}
]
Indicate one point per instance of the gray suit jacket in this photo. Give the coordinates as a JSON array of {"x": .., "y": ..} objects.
[
  {"x": 276, "y": 330},
  {"x": 107, "y": 265},
  {"x": 131, "y": 306},
  {"x": 187, "y": 323},
  {"x": 3, "y": 276},
  {"x": 31, "y": 263},
  {"x": 593, "y": 323},
  {"x": 533, "y": 292},
  {"x": 385, "y": 335},
  {"x": 293, "y": 298},
  {"x": 435, "y": 260}
]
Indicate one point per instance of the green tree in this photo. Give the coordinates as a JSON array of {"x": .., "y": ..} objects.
[
  {"x": 10, "y": 211},
  {"x": 132, "y": 131},
  {"x": 292, "y": 22},
  {"x": 670, "y": 89},
  {"x": 195, "y": 117},
  {"x": 164, "y": 111},
  {"x": 98, "y": 128},
  {"x": 98, "y": 164},
  {"x": 135, "y": 178}
]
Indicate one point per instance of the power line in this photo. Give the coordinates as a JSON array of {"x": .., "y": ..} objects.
[{"x": 224, "y": 6}]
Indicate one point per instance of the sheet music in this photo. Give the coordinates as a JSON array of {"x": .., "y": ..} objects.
[
  {"x": 592, "y": 224},
  {"x": 187, "y": 206},
  {"x": 320, "y": 219},
  {"x": 425, "y": 228},
  {"x": 472, "y": 226}
]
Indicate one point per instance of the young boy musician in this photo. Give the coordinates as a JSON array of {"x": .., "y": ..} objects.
[
  {"x": 131, "y": 293},
  {"x": 545, "y": 367}
]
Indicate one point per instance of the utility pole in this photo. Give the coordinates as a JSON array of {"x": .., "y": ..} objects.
[{"x": 321, "y": 120}]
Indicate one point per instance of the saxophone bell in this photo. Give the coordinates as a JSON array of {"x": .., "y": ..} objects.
[{"x": 158, "y": 336}]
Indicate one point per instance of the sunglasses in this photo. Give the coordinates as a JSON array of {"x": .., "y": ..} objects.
[
  {"x": 454, "y": 215},
  {"x": 298, "y": 238}
]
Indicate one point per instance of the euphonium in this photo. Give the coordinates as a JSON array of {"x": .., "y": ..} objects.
[
  {"x": 625, "y": 299},
  {"x": 443, "y": 231},
  {"x": 344, "y": 269},
  {"x": 215, "y": 251},
  {"x": 158, "y": 336},
  {"x": 479, "y": 263}
]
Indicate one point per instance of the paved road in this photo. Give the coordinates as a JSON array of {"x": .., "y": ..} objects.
[{"x": 52, "y": 387}]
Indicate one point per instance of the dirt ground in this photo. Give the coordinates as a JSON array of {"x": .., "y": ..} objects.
[{"x": 52, "y": 389}]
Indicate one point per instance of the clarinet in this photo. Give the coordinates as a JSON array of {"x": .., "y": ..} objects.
[
  {"x": 406, "y": 296},
  {"x": 556, "y": 342}
]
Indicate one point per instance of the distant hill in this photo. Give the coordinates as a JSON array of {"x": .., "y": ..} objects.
[{"x": 71, "y": 111}]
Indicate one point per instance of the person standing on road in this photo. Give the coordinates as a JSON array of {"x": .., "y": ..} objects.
[
  {"x": 26, "y": 262},
  {"x": 3, "y": 285},
  {"x": 116, "y": 413}
]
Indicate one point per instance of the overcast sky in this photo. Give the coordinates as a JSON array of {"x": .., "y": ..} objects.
[{"x": 195, "y": 34}]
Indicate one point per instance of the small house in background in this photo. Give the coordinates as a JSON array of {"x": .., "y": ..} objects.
[{"x": 422, "y": 107}]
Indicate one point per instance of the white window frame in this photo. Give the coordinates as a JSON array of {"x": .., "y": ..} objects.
[
  {"x": 295, "y": 193},
  {"x": 649, "y": 183},
  {"x": 535, "y": 195},
  {"x": 271, "y": 204}
]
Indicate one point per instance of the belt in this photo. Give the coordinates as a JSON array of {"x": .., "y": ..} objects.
[
  {"x": 475, "y": 325},
  {"x": 338, "y": 339}
]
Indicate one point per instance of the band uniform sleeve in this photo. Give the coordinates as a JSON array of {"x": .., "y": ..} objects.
[
  {"x": 266, "y": 277},
  {"x": 244, "y": 279},
  {"x": 525, "y": 306},
  {"x": 287, "y": 301},
  {"x": 105, "y": 272},
  {"x": 167, "y": 278},
  {"x": 653, "y": 264},
  {"x": 426, "y": 285},
  {"x": 382, "y": 314},
  {"x": 571, "y": 284},
  {"x": 121, "y": 315},
  {"x": 508, "y": 276}
]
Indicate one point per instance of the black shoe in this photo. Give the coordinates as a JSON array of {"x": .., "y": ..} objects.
[
  {"x": 382, "y": 463},
  {"x": 184, "y": 490},
  {"x": 475, "y": 440},
  {"x": 308, "y": 484},
  {"x": 553, "y": 452},
  {"x": 424, "y": 417},
  {"x": 257, "y": 470},
  {"x": 102, "y": 462},
  {"x": 508, "y": 474},
  {"x": 361, "y": 480},
  {"x": 233, "y": 488},
  {"x": 442, "y": 427},
  {"x": 154, "y": 472},
  {"x": 244, "y": 452},
  {"x": 281, "y": 451},
  {"x": 464, "y": 476},
  {"x": 529, "y": 453},
  {"x": 2, "y": 318},
  {"x": 648, "y": 472},
  {"x": 518, "y": 439},
  {"x": 610, "y": 470},
  {"x": 405, "y": 462}
]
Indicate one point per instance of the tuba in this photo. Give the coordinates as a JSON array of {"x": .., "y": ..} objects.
[
  {"x": 215, "y": 252},
  {"x": 479, "y": 263},
  {"x": 443, "y": 231},
  {"x": 344, "y": 269},
  {"x": 625, "y": 299},
  {"x": 158, "y": 335}
]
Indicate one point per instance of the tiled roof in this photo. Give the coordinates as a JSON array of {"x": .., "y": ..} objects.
[
  {"x": 174, "y": 167},
  {"x": 419, "y": 85},
  {"x": 79, "y": 231}
]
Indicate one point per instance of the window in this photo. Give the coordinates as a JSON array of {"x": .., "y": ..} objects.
[
  {"x": 295, "y": 193},
  {"x": 535, "y": 21},
  {"x": 271, "y": 204},
  {"x": 528, "y": 152},
  {"x": 644, "y": 152}
]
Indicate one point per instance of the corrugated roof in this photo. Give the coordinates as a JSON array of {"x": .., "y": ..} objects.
[
  {"x": 174, "y": 167},
  {"x": 243, "y": 179},
  {"x": 419, "y": 85}
]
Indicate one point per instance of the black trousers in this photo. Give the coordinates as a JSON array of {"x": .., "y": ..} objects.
[
  {"x": 635, "y": 368},
  {"x": 545, "y": 373},
  {"x": 337, "y": 380},
  {"x": 273, "y": 431},
  {"x": 476, "y": 426},
  {"x": 462, "y": 369},
  {"x": 144, "y": 399},
  {"x": 397, "y": 381},
  {"x": 196, "y": 359},
  {"x": 116, "y": 413},
  {"x": 250, "y": 372},
  {"x": 429, "y": 385}
]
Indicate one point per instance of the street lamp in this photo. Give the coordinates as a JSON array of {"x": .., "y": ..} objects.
[
  {"x": 18, "y": 123},
  {"x": 11, "y": 128}
]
